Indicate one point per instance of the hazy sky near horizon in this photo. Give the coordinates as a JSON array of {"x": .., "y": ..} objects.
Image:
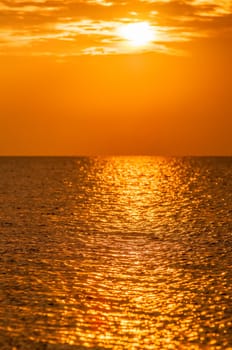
[{"x": 115, "y": 77}]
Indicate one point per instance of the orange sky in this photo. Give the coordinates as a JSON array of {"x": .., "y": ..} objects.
[{"x": 71, "y": 84}]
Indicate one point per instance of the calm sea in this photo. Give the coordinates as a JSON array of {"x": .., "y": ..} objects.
[{"x": 115, "y": 253}]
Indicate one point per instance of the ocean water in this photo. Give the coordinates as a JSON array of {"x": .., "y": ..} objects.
[{"x": 115, "y": 253}]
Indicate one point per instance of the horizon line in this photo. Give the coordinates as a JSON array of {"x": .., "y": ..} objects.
[{"x": 114, "y": 155}]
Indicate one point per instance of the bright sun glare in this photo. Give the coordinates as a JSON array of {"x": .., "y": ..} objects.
[{"x": 138, "y": 34}]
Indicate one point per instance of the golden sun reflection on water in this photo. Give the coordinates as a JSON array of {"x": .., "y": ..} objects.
[{"x": 126, "y": 254}]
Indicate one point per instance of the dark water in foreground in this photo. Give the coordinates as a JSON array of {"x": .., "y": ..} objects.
[{"x": 115, "y": 253}]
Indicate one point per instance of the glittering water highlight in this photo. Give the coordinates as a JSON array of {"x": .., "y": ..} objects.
[{"x": 116, "y": 253}]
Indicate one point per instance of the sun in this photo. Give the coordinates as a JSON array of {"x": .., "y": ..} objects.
[{"x": 138, "y": 34}]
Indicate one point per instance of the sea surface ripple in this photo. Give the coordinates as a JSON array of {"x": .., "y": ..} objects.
[{"x": 115, "y": 253}]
